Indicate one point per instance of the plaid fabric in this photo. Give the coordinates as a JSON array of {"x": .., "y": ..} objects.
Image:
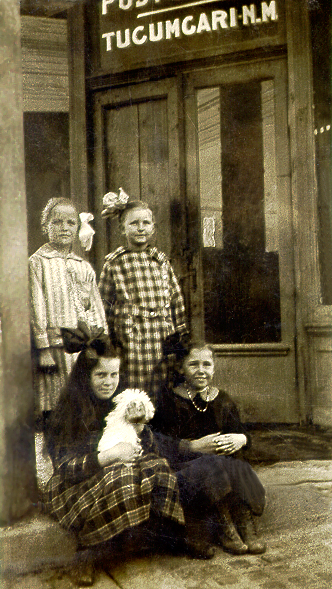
[
  {"x": 99, "y": 506},
  {"x": 143, "y": 304}
]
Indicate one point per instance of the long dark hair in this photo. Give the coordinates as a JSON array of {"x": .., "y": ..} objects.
[{"x": 79, "y": 411}]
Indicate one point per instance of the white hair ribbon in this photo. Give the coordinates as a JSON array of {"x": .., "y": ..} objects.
[{"x": 86, "y": 233}]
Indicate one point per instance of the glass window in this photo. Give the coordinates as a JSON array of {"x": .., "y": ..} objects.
[{"x": 239, "y": 213}]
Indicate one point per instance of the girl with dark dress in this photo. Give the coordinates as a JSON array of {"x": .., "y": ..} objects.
[
  {"x": 101, "y": 495},
  {"x": 216, "y": 484}
]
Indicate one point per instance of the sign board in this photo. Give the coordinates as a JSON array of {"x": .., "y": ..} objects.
[{"x": 145, "y": 33}]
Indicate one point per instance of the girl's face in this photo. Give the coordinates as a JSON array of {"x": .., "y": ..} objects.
[
  {"x": 198, "y": 368},
  {"x": 105, "y": 377},
  {"x": 62, "y": 226},
  {"x": 138, "y": 227}
]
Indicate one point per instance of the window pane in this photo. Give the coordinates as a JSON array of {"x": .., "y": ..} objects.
[{"x": 237, "y": 172}]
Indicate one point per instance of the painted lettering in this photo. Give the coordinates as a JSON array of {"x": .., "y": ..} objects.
[
  {"x": 152, "y": 34},
  {"x": 172, "y": 28},
  {"x": 249, "y": 13},
  {"x": 108, "y": 37},
  {"x": 189, "y": 25},
  {"x": 233, "y": 18},
  {"x": 269, "y": 12},
  {"x": 203, "y": 23},
  {"x": 139, "y": 40},
  {"x": 104, "y": 5},
  {"x": 186, "y": 28},
  {"x": 219, "y": 17},
  {"x": 125, "y": 4},
  {"x": 121, "y": 44}
]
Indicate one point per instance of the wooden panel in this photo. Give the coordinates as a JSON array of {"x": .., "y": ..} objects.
[
  {"x": 77, "y": 110},
  {"x": 121, "y": 159},
  {"x": 44, "y": 64},
  {"x": 154, "y": 154}
]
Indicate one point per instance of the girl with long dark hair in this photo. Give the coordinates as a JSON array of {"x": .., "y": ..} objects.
[{"x": 101, "y": 495}]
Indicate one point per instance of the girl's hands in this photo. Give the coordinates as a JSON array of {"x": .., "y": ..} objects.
[
  {"x": 123, "y": 451},
  {"x": 229, "y": 443},
  {"x": 219, "y": 444}
]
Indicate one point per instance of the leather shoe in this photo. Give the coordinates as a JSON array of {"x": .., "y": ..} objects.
[{"x": 83, "y": 574}]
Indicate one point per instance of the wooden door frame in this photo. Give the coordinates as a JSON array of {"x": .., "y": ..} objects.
[{"x": 244, "y": 71}]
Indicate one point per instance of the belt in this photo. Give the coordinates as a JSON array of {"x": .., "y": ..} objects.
[{"x": 137, "y": 311}]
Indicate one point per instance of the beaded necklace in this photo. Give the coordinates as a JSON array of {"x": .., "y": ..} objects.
[{"x": 202, "y": 410}]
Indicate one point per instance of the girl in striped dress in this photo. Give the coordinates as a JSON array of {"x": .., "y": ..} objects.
[
  {"x": 63, "y": 292},
  {"x": 142, "y": 297}
]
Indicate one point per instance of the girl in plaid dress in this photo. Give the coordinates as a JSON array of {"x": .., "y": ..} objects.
[
  {"x": 142, "y": 297},
  {"x": 100, "y": 495}
]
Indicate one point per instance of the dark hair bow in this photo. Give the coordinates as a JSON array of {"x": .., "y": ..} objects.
[
  {"x": 177, "y": 344},
  {"x": 84, "y": 338}
]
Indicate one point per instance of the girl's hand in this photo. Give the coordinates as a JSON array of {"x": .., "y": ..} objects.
[
  {"x": 123, "y": 451},
  {"x": 229, "y": 443},
  {"x": 219, "y": 443},
  {"x": 206, "y": 445}
]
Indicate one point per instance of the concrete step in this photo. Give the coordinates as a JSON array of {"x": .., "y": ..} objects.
[{"x": 298, "y": 494}]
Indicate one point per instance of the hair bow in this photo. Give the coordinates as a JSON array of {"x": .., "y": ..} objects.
[
  {"x": 176, "y": 343},
  {"x": 114, "y": 203},
  {"x": 84, "y": 338},
  {"x": 86, "y": 233}
]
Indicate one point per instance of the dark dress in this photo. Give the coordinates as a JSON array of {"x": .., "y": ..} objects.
[
  {"x": 207, "y": 479},
  {"x": 98, "y": 503}
]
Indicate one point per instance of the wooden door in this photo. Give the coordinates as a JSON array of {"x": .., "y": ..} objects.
[
  {"x": 240, "y": 225},
  {"x": 137, "y": 148}
]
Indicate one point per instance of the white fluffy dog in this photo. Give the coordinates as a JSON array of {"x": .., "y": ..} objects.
[{"x": 133, "y": 409}]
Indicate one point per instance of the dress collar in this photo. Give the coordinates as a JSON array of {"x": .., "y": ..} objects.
[
  {"x": 48, "y": 251},
  {"x": 152, "y": 252}
]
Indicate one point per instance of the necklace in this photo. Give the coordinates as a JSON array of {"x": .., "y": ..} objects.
[{"x": 202, "y": 410}]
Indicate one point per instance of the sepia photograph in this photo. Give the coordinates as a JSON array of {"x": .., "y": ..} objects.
[{"x": 165, "y": 294}]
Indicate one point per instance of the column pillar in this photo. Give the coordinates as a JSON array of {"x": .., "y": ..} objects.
[{"x": 17, "y": 470}]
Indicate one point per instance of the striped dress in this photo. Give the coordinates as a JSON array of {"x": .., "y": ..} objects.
[
  {"x": 63, "y": 290},
  {"x": 143, "y": 304}
]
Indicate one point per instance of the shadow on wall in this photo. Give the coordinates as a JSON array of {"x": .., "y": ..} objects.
[{"x": 47, "y": 166}]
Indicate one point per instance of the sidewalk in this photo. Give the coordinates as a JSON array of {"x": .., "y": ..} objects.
[{"x": 297, "y": 525}]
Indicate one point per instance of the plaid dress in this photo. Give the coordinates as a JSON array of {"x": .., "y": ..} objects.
[
  {"x": 98, "y": 503},
  {"x": 143, "y": 305}
]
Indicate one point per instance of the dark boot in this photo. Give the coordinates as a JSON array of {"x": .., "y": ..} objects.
[
  {"x": 229, "y": 537},
  {"x": 196, "y": 545},
  {"x": 247, "y": 529}
]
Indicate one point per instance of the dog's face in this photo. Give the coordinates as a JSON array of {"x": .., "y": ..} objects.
[{"x": 135, "y": 406}]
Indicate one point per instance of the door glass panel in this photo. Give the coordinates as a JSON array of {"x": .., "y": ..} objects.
[{"x": 238, "y": 200}]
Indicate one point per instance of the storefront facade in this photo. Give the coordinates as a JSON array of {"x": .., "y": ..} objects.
[{"x": 204, "y": 109}]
